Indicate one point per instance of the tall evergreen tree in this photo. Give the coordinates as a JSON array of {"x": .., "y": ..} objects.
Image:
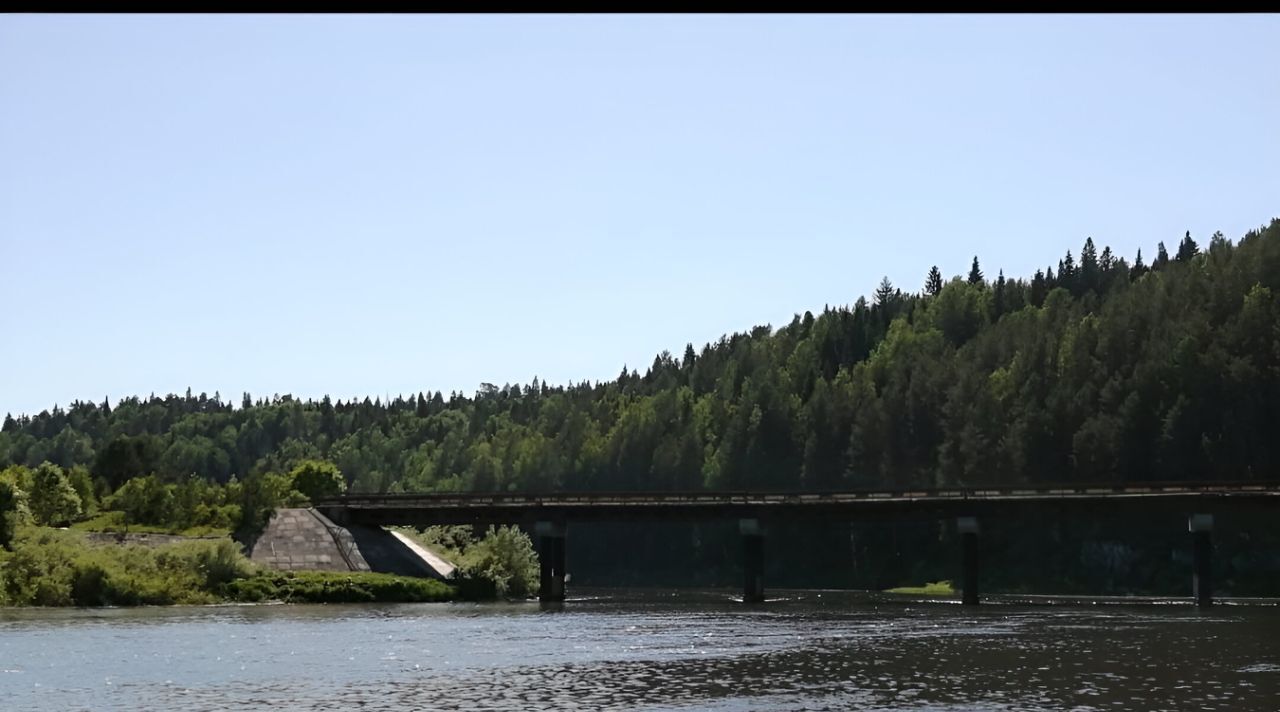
[
  {"x": 1039, "y": 288},
  {"x": 885, "y": 293},
  {"x": 1162, "y": 257},
  {"x": 975, "y": 272},
  {"x": 1139, "y": 268},
  {"x": 1187, "y": 248},
  {"x": 1089, "y": 272},
  {"x": 998, "y": 300},
  {"x": 933, "y": 283},
  {"x": 1068, "y": 277}
]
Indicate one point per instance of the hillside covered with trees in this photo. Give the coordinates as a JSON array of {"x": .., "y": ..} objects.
[{"x": 1093, "y": 369}]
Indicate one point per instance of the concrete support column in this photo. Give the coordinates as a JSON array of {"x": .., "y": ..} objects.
[
  {"x": 752, "y": 560},
  {"x": 968, "y": 529},
  {"x": 1201, "y": 528},
  {"x": 551, "y": 560}
]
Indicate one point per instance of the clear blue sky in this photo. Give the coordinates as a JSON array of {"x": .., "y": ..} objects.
[{"x": 387, "y": 204}]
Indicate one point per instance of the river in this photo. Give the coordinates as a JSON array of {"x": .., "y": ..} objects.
[{"x": 652, "y": 650}]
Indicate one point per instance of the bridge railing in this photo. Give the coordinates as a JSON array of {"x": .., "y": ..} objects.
[{"x": 765, "y": 497}]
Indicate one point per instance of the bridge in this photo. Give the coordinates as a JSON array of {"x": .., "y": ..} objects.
[{"x": 549, "y": 514}]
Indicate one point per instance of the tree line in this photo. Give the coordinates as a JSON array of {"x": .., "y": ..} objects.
[{"x": 1095, "y": 369}]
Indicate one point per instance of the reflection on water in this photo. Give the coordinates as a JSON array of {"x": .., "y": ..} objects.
[{"x": 653, "y": 650}]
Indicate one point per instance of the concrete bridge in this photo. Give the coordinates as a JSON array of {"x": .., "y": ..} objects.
[{"x": 550, "y": 514}]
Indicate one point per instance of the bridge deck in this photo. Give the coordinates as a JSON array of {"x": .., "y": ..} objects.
[{"x": 446, "y": 508}]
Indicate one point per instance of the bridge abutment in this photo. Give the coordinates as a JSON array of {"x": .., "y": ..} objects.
[
  {"x": 968, "y": 529},
  {"x": 1201, "y": 528},
  {"x": 752, "y": 560},
  {"x": 551, "y": 561}
]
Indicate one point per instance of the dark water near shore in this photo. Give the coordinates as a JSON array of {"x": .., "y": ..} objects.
[{"x": 647, "y": 650}]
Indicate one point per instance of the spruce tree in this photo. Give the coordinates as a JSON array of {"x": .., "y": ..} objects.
[
  {"x": 1039, "y": 288},
  {"x": 975, "y": 272},
  {"x": 1139, "y": 268},
  {"x": 1162, "y": 257},
  {"x": 885, "y": 292},
  {"x": 933, "y": 283},
  {"x": 998, "y": 299},
  {"x": 1187, "y": 248},
  {"x": 1088, "y": 267}
]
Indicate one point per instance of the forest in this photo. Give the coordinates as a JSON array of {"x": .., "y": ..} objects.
[{"x": 1094, "y": 369}]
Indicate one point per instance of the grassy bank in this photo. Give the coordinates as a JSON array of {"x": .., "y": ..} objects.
[
  {"x": 50, "y": 567},
  {"x": 937, "y": 588},
  {"x": 114, "y": 522},
  {"x": 338, "y": 587}
]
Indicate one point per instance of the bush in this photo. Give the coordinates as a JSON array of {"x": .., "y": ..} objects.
[
  {"x": 503, "y": 563},
  {"x": 52, "y": 499},
  {"x": 317, "y": 478},
  {"x": 8, "y": 513},
  {"x": 54, "y": 568},
  {"x": 217, "y": 563},
  {"x": 504, "y": 556},
  {"x": 338, "y": 587}
]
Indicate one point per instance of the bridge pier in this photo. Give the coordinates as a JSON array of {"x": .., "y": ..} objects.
[
  {"x": 551, "y": 561},
  {"x": 1201, "y": 528},
  {"x": 752, "y": 560},
  {"x": 968, "y": 529}
]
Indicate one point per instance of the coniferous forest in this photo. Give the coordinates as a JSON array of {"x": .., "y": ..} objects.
[{"x": 1097, "y": 368}]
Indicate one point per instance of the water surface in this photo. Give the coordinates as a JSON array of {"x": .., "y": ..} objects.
[{"x": 646, "y": 650}]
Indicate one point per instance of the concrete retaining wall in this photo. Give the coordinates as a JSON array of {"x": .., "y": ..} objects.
[{"x": 305, "y": 540}]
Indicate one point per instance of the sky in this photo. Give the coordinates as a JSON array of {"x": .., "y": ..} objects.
[{"x": 370, "y": 205}]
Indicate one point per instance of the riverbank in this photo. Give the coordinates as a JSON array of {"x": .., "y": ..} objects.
[{"x": 51, "y": 567}]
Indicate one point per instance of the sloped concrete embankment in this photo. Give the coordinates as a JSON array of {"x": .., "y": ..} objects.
[{"x": 306, "y": 540}]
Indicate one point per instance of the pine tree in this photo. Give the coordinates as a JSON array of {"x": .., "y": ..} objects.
[
  {"x": 1068, "y": 277},
  {"x": 1039, "y": 288},
  {"x": 998, "y": 299},
  {"x": 1162, "y": 257},
  {"x": 421, "y": 409},
  {"x": 933, "y": 283},
  {"x": 975, "y": 272},
  {"x": 1187, "y": 248},
  {"x": 10, "y": 424},
  {"x": 885, "y": 292},
  {"x": 1139, "y": 268},
  {"x": 1089, "y": 275}
]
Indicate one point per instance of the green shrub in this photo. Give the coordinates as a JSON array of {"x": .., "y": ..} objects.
[
  {"x": 317, "y": 478},
  {"x": 56, "y": 568},
  {"x": 506, "y": 557},
  {"x": 8, "y": 513},
  {"x": 502, "y": 564},
  {"x": 52, "y": 499},
  {"x": 337, "y": 587}
]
